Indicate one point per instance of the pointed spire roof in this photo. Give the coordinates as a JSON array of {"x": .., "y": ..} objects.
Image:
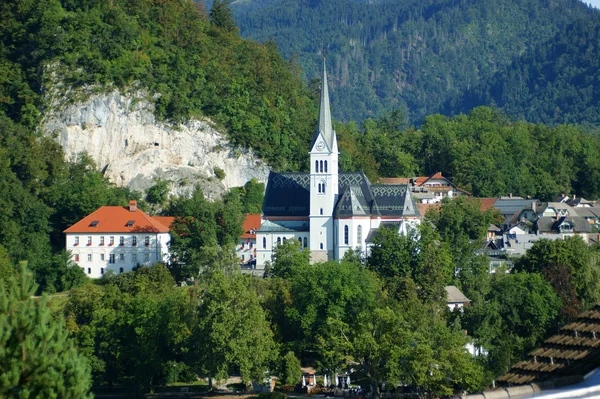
[{"x": 325, "y": 127}]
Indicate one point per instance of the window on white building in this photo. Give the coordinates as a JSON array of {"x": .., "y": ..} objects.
[
  {"x": 321, "y": 245},
  {"x": 325, "y": 166},
  {"x": 321, "y": 166},
  {"x": 346, "y": 235},
  {"x": 120, "y": 270},
  {"x": 305, "y": 242},
  {"x": 146, "y": 257},
  {"x": 264, "y": 242},
  {"x": 134, "y": 258},
  {"x": 121, "y": 240},
  {"x": 102, "y": 240},
  {"x": 278, "y": 240},
  {"x": 134, "y": 241},
  {"x": 147, "y": 240},
  {"x": 359, "y": 235},
  {"x": 101, "y": 270},
  {"x": 321, "y": 211},
  {"x": 121, "y": 257},
  {"x": 111, "y": 241},
  {"x": 89, "y": 257},
  {"x": 76, "y": 257},
  {"x": 102, "y": 257},
  {"x": 111, "y": 258},
  {"x": 89, "y": 240},
  {"x": 76, "y": 241},
  {"x": 89, "y": 270},
  {"x": 316, "y": 166}
]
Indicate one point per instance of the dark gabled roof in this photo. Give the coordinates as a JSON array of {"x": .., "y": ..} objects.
[
  {"x": 550, "y": 224},
  {"x": 284, "y": 226},
  {"x": 287, "y": 194},
  {"x": 509, "y": 206},
  {"x": 394, "y": 200}
]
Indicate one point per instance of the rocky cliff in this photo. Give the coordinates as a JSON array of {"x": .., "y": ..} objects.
[{"x": 122, "y": 135}]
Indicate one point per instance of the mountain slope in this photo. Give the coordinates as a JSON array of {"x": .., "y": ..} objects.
[
  {"x": 558, "y": 82},
  {"x": 410, "y": 54}
]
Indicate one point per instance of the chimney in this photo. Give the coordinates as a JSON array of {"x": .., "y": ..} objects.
[{"x": 132, "y": 206}]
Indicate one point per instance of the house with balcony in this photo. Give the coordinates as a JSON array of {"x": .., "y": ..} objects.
[
  {"x": 246, "y": 248},
  {"x": 118, "y": 238}
]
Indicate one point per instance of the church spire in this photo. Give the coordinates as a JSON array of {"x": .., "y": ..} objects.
[{"x": 325, "y": 127}]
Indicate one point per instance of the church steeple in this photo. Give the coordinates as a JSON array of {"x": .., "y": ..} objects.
[{"x": 325, "y": 127}]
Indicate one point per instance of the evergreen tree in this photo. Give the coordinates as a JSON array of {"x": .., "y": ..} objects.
[
  {"x": 37, "y": 357},
  {"x": 222, "y": 17}
]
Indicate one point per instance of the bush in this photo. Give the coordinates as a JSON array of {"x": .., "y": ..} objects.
[
  {"x": 271, "y": 395},
  {"x": 220, "y": 173}
]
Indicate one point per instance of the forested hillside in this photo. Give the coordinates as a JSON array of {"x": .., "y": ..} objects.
[
  {"x": 556, "y": 82},
  {"x": 191, "y": 64},
  {"x": 412, "y": 54}
]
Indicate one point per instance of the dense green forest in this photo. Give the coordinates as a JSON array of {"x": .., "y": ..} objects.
[
  {"x": 417, "y": 55},
  {"x": 385, "y": 316},
  {"x": 555, "y": 82},
  {"x": 484, "y": 152},
  {"x": 190, "y": 64}
]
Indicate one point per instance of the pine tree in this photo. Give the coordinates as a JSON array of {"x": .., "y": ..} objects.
[
  {"x": 222, "y": 17},
  {"x": 37, "y": 357}
]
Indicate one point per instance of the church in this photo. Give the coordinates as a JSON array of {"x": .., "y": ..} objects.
[{"x": 328, "y": 211}]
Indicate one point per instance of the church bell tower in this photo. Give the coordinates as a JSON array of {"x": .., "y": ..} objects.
[{"x": 324, "y": 180}]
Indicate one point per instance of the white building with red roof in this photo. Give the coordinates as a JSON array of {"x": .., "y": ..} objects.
[
  {"x": 246, "y": 248},
  {"x": 118, "y": 238}
]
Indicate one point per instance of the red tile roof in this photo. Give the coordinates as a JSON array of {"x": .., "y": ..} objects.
[
  {"x": 252, "y": 222},
  {"x": 422, "y": 179},
  {"x": 395, "y": 180},
  {"x": 487, "y": 203},
  {"x": 116, "y": 219},
  {"x": 424, "y": 208}
]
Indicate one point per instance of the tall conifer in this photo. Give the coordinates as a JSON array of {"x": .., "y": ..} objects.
[{"x": 37, "y": 357}]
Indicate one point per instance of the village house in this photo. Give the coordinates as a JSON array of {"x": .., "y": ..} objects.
[
  {"x": 117, "y": 239},
  {"x": 246, "y": 249},
  {"x": 428, "y": 189}
]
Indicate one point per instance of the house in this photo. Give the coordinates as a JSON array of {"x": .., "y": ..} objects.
[
  {"x": 328, "y": 211},
  {"x": 246, "y": 248},
  {"x": 429, "y": 189},
  {"x": 455, "y": 299},
  {"x": 118, "y": 238},
  {"x": 564, "y": 226},
  {"x": 511, "y": 206}
]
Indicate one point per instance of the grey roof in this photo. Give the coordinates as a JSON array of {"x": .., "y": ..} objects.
[
  {"x": 549, "y": 224},
  {"x": 454, "y": 295},
  {"x": 325, "y": 127},
  {"x": 284, "y": 226},
  {"x": 509, "y": 206},
  {"x": 288, "y": 194}
]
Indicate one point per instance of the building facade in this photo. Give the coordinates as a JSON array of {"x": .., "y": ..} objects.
[
  {"x": 327, "y": 211},
  {"x": 118, "y": 238}
]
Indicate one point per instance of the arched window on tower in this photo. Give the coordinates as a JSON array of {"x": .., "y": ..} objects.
[
  {"x": 359, "y": 235},
  {"x": 321, "y": 166},
  {"x": 316, "y": 166},
  {"x": 264, "y": 242},
  {"x": 305, "y": 242},
  {"x": 278, "y": 240},
  {"x": 346, "y": 235},
  {"x": 319, "y": 188},
  {"x": 325, "y": 166}
]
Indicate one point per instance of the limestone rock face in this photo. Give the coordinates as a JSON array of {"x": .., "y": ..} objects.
[{"x": 132, "y": 148}]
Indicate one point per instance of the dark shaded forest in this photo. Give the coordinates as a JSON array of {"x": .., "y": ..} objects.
[{"x": 425, "y": 56}]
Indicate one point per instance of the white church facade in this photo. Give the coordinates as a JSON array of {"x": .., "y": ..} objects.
[{"x": 327, "y": 211}]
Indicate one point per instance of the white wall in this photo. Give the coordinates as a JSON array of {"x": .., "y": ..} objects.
[{"x": 96, "y": 259}]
